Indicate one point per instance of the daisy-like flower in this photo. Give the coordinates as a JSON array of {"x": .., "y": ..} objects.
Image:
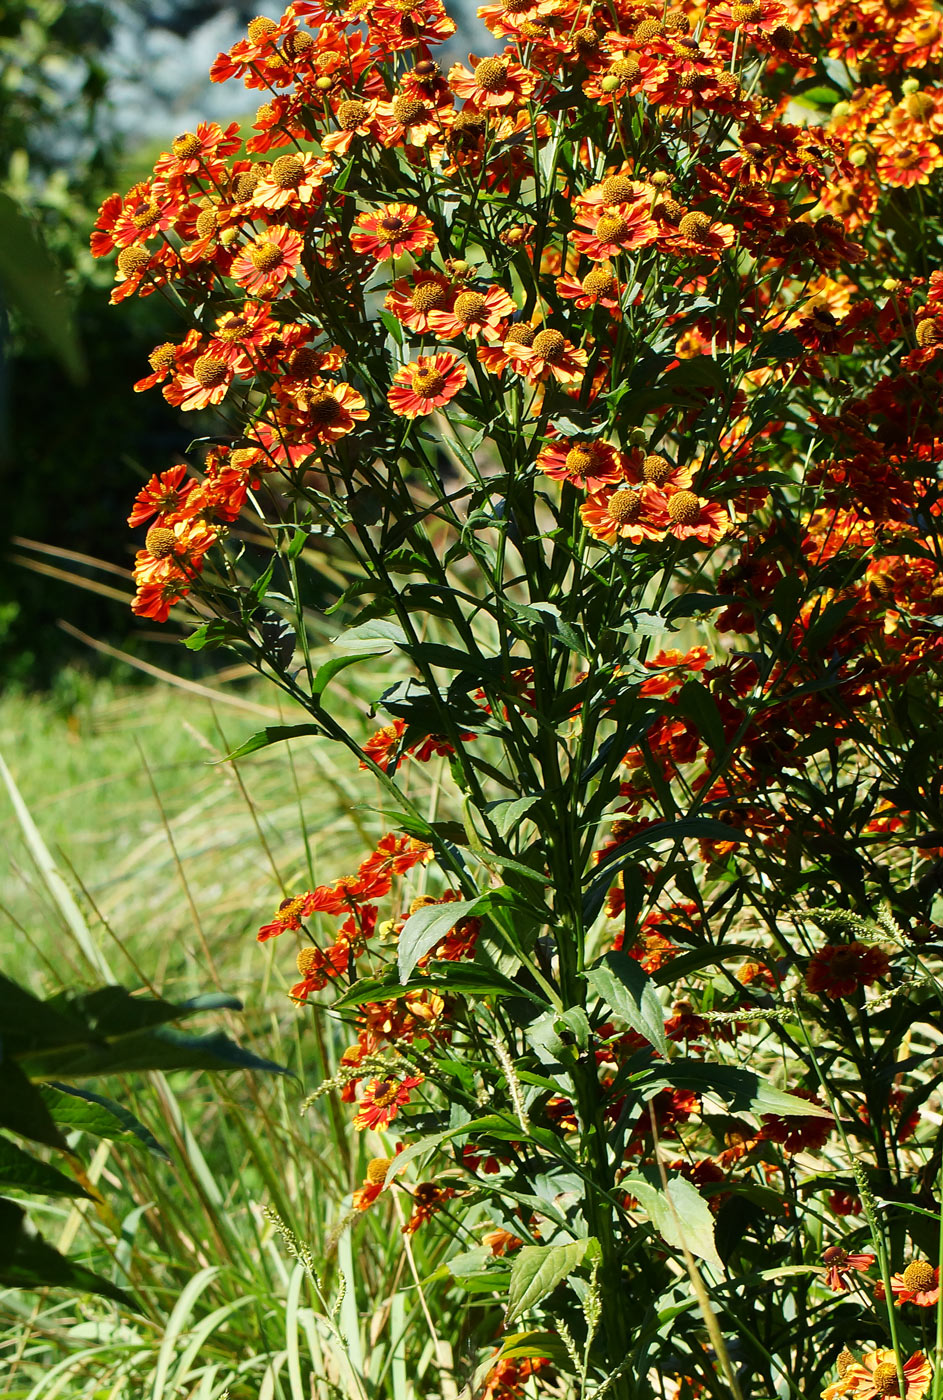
[
  {"x": 354, "y": 118},
  {"x": 625, "y": 514},
  {"x": 164, "y": 359},
  {"x": 199, "y": 152},
  {"x": 295, "y": 179},
  {"x": 473, "y": 314},
  {"x": 600, "y": 287},
  {"x": 697, "y": 233},
  {"x": 907, "y": 163},
  {"x": 330, "y": 411},
  {"x": 839, "y": 1265},
  {"x": 550, "y": 353},
  {"x": 690, "y": 517},
  {"x": 875, "y": 1375},
  {"x": 919, "y": 1283},
  {"x": 382, "y": 746},
  {"x": 412, "y": 302},
  {"x": 394, "y": 229},
  {"x": 200, "y": 384},
  {"x": 163, "y": 495},
  {"x": 426, "y": 384},
  {"x": 265, "y": 263},
  {"x": 658, "y": 470},
  {"x": 383, "y": 1099},
  {"x": 592, "y": 466},
  {"x": 293, "y": 911},
  {"x": 495, "y": 82},
  {"x": 613, "y": 229},
  {"x": 840, "y": 969}
]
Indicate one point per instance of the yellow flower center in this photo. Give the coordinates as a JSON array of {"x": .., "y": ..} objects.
[
  {"x": 287, "y": 172},
  {"x": 265, "y": 255},
  {"x": 611, "y": 228},
  {"x": 145, "y": 215},
  {"x": 582, "y": 458},
  {"x": 207, "y": 222},
  {"x": 550, "y": 346},
  {"x": 209, "y": 371},
  {"x": 694, "y": 226},
  {"x": 626, "y": 69},
  {"x": 350, "y": 114},
  {"x": 929, "y": 332},
  {"x": 598, "y": 283},
  {"x": 469, "y": 307},
  {"x": 884, "y": 1379},
  {"x": 624, "y": 506},
  {"x": 231, "y": 326},
  {"x": 521, "y": 334},
  {"x": 617, "y": 189},
  {"x": 377, "y": 1169},
  {"x": 656, "y": 469},
  {"x": 162, "y": 356},
  {"x": 586, "y": 40},
  {"x": 132, "y": 260},
  {"x": 491, "y": 75},
  {"x": 259, "y": 27},
  {"x": 160, "y": 542},
  {"x": 677, "y": 22},
  {"x": 428, "y": 296},
  {"x": 918, "y": 1276},
  {"x": 516, "y": 7},
  {"x": 846, "y": 1358},
  {"x": 919, "y": 105},
  {"x": 244, "y": 184},
  {"x": 648, "y": 29},
  {"x": 747, "y": 13},
  {"x": 684, "y": 507},
  {"x": 385, "y": 1092},
  {"x": 408, "y": 110},
  {"x": 308, "y": 960},
  {"x": 427, "y": 383}
]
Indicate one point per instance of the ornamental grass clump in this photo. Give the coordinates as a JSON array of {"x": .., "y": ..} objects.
[{"x": 589, "y": 393}]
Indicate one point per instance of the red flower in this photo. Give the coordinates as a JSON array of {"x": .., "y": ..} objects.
[
  {"x": 550, "y": 353},
  {"x": 614, "y": 229},
  {"x": 424, "y": 385},
  {"x": 589, "y": 465},
  {"x": 473, "y": 314},
  {"x": 840, "y": 969},
  {"x": 393, "y": 230},
  {"x": 495, "y": 82},
  {"x": 382, "y": 1100},
  {"x": 838, "y": 1262},
  {"x": 919, "y": 1283},
  {"x": 626, "y": 514},
  {"x": 690, "y": 517},
  {"x": 412, "y": 302},
  {"x": 162, "y": 496}
]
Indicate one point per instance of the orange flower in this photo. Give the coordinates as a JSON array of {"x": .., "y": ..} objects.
[
  {"x": 840, "y": 969},
  {"x": 919, "y": 1284},
  {"x": 626, "y": 514},
  {"x": 496, "y": 82},
  {"x": 264, "y": 264},
  {"x": 292, "y": 179},
  {"x": 383, "y": 1099},
  {"x": 473, "y": 314},
  {"x": 875, "y": 1376},
  {"x": 589, "y": 465},
  {"x": 692, "y": 518},
  {"x": 412, "y": 302},
  {"x": 393, "y": 230},
  {"x": 613, "y": 229},
  {"x": 549, "y": 354},
  {"x": 329, "y": 411},
  {"x": 426, "y": 384},
  {"x": 203, "y": 382},
  {"x": 838, "y": 1262}
]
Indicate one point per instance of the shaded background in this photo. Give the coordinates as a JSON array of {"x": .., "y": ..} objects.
[{"x": 90, "y": 93}]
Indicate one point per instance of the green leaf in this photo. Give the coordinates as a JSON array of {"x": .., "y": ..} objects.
[
  {"x": 464, "y": 979},
  {"x": 537, "y": 1270},
  {"x": 366, "y": 635},
  {"x": 27, "y": 1261},
  {"x": 625, "y": 987},
  {"x": 81, "y": 1110},
  {"x": 681, "y": 1216},
  {"x": 507, "y": 815},
  {"x": 326, "y": 673},
  {"x": 273, "y": 734},
  {"x": 427, "y": 927},
  {"x": 697, "y": 704},
  {"x": 740, "y": 1090},
  {"x": 161, "y": 1047},
  {"x": 20, "y": 1171}
]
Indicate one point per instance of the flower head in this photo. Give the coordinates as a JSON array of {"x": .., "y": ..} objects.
[
  {"x": 394, "y": 229},
  {"x": 426, "y": 384},
  {"x": 383, "y": 1099},
  {"x": 840, "y": 969}
]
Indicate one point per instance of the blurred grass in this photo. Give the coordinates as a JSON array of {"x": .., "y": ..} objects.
[{"x": 174, "y": 859}]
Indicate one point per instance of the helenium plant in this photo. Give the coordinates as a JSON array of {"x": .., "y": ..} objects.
[{"x": 591, "y": 391}]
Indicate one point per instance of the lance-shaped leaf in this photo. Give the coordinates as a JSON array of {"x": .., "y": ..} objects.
[
  {"x": 101, "y": 1117},
  {"x": 27, "y": 1261},
  {"x": 21, "y": 1171},
  {"x": 681, "y": 1215},
  {"x": 538, "y": 1269},
  {"x": 427, "y": 927},
  {"x": 625, "y": 987}
]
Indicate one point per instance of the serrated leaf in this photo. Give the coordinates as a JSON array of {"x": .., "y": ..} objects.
[
  {"x": 506, "y": 815},
  {"x": 680, "y": 1217},
  {"x": 21, "y": 1171},
  {"x": 83, "y": 1111},
  {"x": 427, "y": 927},
  {"x": 537, "y": 1270},
  {"x": 625, "y": 987}
]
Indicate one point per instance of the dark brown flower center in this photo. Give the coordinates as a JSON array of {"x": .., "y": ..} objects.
[
  {"x": 209, "y": 371},
  {"x": 549, "y": 345}
]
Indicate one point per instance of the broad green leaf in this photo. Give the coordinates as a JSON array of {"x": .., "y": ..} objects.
[
  {"x": 427, "y": 927},
  {"x": 27, "y": 1261},
  {"x": 680, "y": 1216},
  {"x": 101, "y": 1117},
  {"x": 273, "y": 734},
  {"x": 625, "y": 987},
  {"x": 507, "y": 816},
  {"x": 20, "y": 1171},
  {"x": 27, "y": 1021},
  {"x": 366, "y": 635},
  {"x": 466, "y": 979},
  {"x": 740, "y": 1090},
  {"x": 326, "y": 673},
  {"x": 162, "y": 1048},
  {"x": 537, "y": 1270}
]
